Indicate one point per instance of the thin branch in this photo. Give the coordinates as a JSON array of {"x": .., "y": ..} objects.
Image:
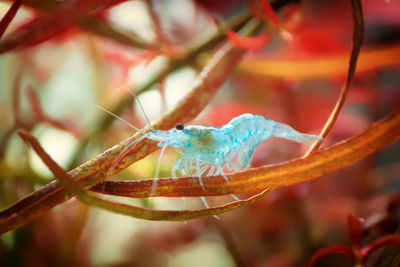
[
  {"x": 334, "y": 249},
  {"x": 41, "y": 116},
  {"x": 160, "y": 38},
  {"x": 99, "y": 26},
  {"x": 8, "y": 17},
  {"x": 358, "y": 33}
]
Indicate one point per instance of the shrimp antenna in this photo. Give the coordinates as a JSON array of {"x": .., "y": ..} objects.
[
  {"x": 121, "y": 119},
  {"x": 142, "y": 109}
]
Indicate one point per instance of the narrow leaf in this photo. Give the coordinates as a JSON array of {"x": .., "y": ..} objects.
[
  {"x": 358, "y": 34},
  {"x": 265, "y": 13},
  {"x": 8, "y": 17},
  {"x": 269, "y": 12},
  {"x": 334, "y": 249},
  {"x": 356, "y": 226},
  {"x": 247, "y": 43},
  {"x": 44, "y": 27},
  {"x": 389, "y": 240},
  {"x": 321, "y": 67}
]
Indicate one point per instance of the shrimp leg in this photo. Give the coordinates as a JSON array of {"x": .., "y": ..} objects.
[
  {"x": 212, "y": 170},
  {"x": 203, "y": 199},
  {"x": 175, "y": 167},
  {"x": 157, "y": 174},
  {"x": 221, "y": 171},
  {"x": 184, "y": 165},
  {"x": 174, "y": 173},
  {"x": 199, "y": 173}
]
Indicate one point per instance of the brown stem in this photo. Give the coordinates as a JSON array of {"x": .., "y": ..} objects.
[
  {"x": 8, "y": 17},
  {"x": 358, "y": 34}
]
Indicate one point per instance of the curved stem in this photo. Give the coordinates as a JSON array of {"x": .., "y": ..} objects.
[{"x": 358, "y": 34}]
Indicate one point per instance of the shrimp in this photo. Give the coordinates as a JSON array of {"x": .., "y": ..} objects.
[
  {"x": 214, "y": 148},
  {"x": 208, "y": 150}
]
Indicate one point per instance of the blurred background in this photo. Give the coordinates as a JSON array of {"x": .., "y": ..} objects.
[{"x": 52, "y": 85}]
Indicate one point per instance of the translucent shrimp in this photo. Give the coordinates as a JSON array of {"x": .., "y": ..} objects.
[
  {"x": 215, "y": 148},
  {"x": 210, "y": 150},
  {"x": 230, "y": 146}
]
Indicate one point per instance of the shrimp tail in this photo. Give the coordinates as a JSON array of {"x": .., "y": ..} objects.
[{"x": 285, "y": 131}]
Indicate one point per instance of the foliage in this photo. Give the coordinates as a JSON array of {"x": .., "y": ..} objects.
[{"x": 241, "y": 67}]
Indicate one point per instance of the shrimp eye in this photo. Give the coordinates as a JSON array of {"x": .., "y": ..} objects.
[{"x": 179, "y": 126}]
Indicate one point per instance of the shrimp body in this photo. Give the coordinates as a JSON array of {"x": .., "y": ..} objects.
[{"x": 215, "y": 148}]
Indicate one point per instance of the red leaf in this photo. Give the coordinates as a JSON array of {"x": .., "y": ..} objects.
[
  {"x": 334, "y": 249},
  {"x": 315, "y": 41},
  {"x": 269, "y": 12},
  {"x": 247, "y": 43},
  {"x": 356, "y": 226},
  {"x": 44, "y": 27},
  {"x": 389, "y": 240}
]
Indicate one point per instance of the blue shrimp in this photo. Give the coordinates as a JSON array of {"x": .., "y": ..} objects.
[
  {"x": 215, "y": 148},
  {"x": 212, "y": 149}
]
